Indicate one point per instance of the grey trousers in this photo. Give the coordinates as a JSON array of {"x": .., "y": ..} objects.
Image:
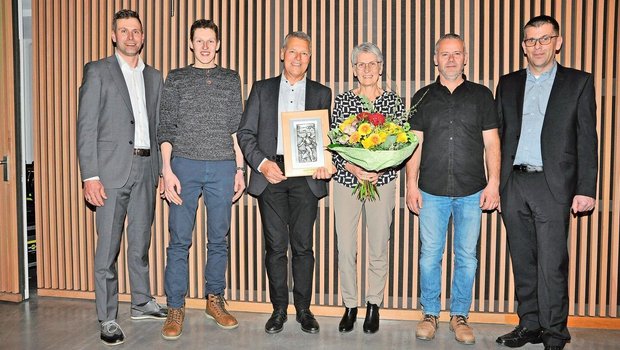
[
  {"x": 136, "y": 201},
  {"x": 379, "y": 216}
]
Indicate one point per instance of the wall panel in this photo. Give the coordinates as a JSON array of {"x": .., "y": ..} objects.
[{"x": 76, "y": 32}]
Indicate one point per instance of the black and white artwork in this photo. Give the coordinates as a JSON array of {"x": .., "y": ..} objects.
[
  {"x": 306, "y": 133},
  {"x": 306, "y": 143}
]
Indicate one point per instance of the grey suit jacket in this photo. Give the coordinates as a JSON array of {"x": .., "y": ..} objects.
[
  {"x": 105, "y": 127},
  {"x": 258, "y": 129},
  {"x": 569, "y": 142}
]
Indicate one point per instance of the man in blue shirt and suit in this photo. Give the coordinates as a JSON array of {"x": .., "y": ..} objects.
[{"x": 549, "y": 167}]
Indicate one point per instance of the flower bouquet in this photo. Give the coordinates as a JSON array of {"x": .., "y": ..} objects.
[{"x": 372, "y": 141}]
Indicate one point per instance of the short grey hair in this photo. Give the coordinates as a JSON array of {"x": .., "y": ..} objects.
[
  {"x": 366, "y": 47},
  {"x": 299, "y": 35},
  {"x": 450, "y": 36}
]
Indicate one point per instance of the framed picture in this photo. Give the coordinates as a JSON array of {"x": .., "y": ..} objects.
[{"x": 305, "y": 142}]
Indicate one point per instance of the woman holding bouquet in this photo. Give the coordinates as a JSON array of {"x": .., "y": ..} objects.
[{"x": 367, "y": 63}]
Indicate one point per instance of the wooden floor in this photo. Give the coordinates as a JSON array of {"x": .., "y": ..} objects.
[{"x": 58, "y": 323}]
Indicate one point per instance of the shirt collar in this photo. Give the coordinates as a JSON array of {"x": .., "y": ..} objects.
[
  {"x": 463, "y": 84},
  {"x": 545, "y": 75},
  {"x": 125, "y": 66},
  {"x": 300, "y": 83}
]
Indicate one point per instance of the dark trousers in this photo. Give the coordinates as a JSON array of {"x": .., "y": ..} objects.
[
  {"x": 288, "y": 210},
  {"x": 537, "y": 231}
]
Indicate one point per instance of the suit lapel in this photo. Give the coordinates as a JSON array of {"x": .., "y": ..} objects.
[
  {"x": 521, "y": 94},
  {"x": 309, "y": 95},
  {"x": 556, "y": 91},
  {"x": 271, "y": 98},
  {"x": 119, "y": 80},
  {"x": 149, "y": 85}
]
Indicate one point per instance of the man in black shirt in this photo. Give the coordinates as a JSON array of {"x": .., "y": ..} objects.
[{"x": 456, "y": 124}]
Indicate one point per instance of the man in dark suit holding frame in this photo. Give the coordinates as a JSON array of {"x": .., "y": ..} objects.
[
  {"x": 119, "y": 164},
  {"x": 549, "y": 168},
  {"x": 288, "y": 206}
]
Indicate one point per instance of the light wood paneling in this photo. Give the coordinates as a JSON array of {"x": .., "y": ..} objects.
[{"x": 76, "y": 32}]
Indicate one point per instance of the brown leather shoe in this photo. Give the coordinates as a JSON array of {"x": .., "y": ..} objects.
[
  {"x": 173, "y": 327},
  {"x": 463, "y": 333},
  {"x": 426, "y": 328},
  {"x": 216, "y": 311}
]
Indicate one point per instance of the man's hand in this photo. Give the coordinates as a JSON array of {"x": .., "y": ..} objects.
[
  {"x": 239, "y": 185},
  {"x": 94, "y": 193},
  {"x": 272, "y": 172},
  {"x": 582, "y": 204},
  {"x": 414, "y": 199},
  {"x": 489, "y": 199},
  {"x": 172, "y": 188}
]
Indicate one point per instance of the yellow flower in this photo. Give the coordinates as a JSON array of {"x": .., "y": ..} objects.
[
  {"x": 367, "y": 143},
  {"x": 371, "y": 141},
  {"x": 364, "y": 129},
  {"x": 382, "y": 136},
  {"x": 354, "y": 138},
  {"x": 401, "y": 137},
  {"x": 392, "y": 128},
  {"x": 345, "y": 123}
]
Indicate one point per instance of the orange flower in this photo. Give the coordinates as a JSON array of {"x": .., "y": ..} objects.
[{"x": 354, "y": 138}]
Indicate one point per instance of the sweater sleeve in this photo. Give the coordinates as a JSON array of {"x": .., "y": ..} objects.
[
  {"x": 168, "y": 111},
  {"x": 236, "y": 104}
]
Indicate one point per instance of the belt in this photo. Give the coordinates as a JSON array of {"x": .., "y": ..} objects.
[
  {"x": 278, "y": 158},
  {"x": 526, "y": 168},
  {"x": 141, "y": 152}
]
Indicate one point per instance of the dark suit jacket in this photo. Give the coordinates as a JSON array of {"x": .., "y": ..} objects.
[
  {"x": 258, "y": 130},
  {"x": 568, "y": 138},
  {"x": 105, "y": 127}
]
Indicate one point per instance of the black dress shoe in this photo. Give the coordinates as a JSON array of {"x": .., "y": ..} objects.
[
  {"x": 308, "y": 322},
  {"x": 520, "y": 336},
  {"x": 371, "y": 323},
  {"x": 348, "y": 320},
  {"x": 275, "y": 323},
  {"x": 554, "y": 347}
]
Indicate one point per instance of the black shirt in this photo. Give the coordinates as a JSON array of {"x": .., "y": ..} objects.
[{"x": 453, "y": 148}]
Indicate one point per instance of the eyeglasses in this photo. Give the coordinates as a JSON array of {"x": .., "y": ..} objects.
[
  {"x": 362, "y": 65},
  {"x": 545, "y": 40}
]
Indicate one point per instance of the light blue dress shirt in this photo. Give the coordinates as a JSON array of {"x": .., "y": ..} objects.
[
  {"x": 535, "y": 100},
  {"x": 292, "y": 98}
]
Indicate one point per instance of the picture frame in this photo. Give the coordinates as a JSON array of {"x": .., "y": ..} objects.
[{"x": 305, "y": 139}]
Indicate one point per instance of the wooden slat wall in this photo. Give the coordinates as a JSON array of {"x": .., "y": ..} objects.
[
  {"x": 9, "y": 248},
  {"x": 74, "y": 32}
]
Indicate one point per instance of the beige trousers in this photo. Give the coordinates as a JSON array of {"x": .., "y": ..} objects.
[{"x": 379, "y": 215}]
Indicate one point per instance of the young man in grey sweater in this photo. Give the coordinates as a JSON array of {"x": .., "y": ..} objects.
[{"x": 200, "y": 112}]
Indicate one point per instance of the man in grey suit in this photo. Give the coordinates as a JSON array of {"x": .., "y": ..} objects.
[
  {"x": 549, "y": 167},
  {"x": 288, "y": 206},
  {"x": 119, "y": 164}
]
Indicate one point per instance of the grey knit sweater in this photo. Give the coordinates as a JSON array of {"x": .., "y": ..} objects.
[{"x": 200, "y": 109}]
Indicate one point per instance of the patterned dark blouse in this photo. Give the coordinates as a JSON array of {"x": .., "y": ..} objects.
[{"x": 388, "y": 103}]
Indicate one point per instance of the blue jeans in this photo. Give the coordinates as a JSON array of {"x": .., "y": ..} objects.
[
  {"x": 215, "y": 181},
  {"x": 434, "y": 216}
]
